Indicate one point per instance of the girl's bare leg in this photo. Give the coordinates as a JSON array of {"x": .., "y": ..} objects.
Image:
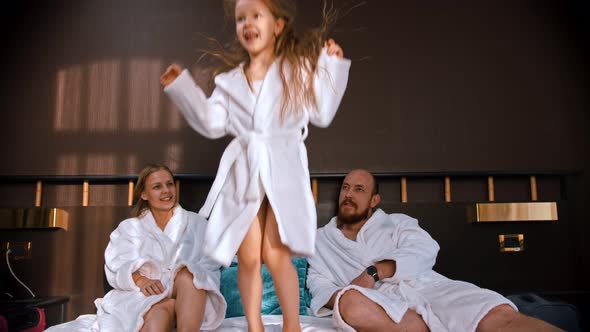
[
  {"x": 277, "y": 258},
  {"x": 249, "y": 277}
]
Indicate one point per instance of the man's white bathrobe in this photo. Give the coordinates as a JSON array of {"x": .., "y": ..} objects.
[
  {"x": 267, "y": 155},
  {"x": 139, "y": 244},
  {"x": 444, "y": 304}
]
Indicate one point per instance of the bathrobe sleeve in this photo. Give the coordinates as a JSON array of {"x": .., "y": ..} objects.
[
  {"x": 322, "y": 280},
  {"x": 321, "y": 286},
  {"x": 207, "y": 116},
  {"x": 413, "y": 249},
  {"x": 330, "y": 83},
  {"x": 206, "y": 272},
  {"x": 122, "y": 257}
]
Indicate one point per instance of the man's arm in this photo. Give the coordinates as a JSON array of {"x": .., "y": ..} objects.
[
  {"x": 385, "y": 268},
  {"x": 413, "y": 252}
]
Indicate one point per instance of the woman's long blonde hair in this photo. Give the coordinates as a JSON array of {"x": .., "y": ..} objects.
[
  {"x": 140, "y": 206},
  {"x": 299, "y": 50}
]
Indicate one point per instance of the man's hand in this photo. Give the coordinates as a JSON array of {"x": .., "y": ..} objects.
[
  {"x": 149, "y": 286},
  {"x": 333, "y": 49},
  {"x": 170, "y": 74},
  {"x": 364, "y": 280}
]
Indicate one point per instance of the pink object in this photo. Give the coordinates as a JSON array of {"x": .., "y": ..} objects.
[
  {"x": 3, "y": 324},
  {"x": 40, "y": 325}
]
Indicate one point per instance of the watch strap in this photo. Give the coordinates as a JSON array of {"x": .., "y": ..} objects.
[{"x": 372, "y": 271}]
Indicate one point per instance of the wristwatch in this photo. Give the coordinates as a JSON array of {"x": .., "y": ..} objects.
[{"x": 372, "y": 271}]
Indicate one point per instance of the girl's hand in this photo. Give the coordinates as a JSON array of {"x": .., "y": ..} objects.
[
  {"x": 170, "y": 74},
  {"x": 149, "y": 286},
  {"x": 333, "y": 49}
]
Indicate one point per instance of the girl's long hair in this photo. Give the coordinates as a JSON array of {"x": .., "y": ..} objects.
[
  {"x": 140, "y": 206},
  {"x": 298, "y": 52}
]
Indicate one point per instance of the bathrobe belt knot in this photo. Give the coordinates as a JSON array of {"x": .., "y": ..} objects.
[{"x": 255, "y": 145}]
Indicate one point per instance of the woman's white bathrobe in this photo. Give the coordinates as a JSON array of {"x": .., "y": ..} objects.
[
  {"x": 444, "y": 304},
  {"x": 267, "y": 155},
  {"x": 139, "y": 244}
]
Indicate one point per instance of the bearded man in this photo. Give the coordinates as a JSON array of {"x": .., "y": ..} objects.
[{"x": 372, "y": 271}]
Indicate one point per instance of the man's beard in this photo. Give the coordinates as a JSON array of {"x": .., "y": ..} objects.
[{"x": 354, "y": 218}]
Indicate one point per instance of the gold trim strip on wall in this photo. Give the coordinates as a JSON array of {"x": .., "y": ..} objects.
[
  {"x": 130, "y": 193},
  {"x": 491, "y": 196},
  {"x": 314, "y": 190},
  {"x": 447, "y": 189},
  {"x": 33, "y": 218},
  {"x": 404, "y": 189},
  {"x": 39, "y": 193},
  {"x": 529, "y": 211},
  {"x": 85, "y": 191},
  {"x": 533, "y": 181},
  {"x": 58, "y": 218}
]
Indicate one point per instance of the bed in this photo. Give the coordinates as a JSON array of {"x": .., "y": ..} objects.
[
  {"x": 235, "y": 320},
  {"x": 451, "y": 223},
  {"x": 271, "y": 323}
]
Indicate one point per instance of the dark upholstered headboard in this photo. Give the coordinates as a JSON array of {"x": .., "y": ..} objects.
[{"x": 71, "y": 262}]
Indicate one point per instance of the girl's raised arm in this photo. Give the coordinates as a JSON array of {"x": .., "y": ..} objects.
[
  {"x": 208, "y": 116},
  {"x": 329, "y": 84}
]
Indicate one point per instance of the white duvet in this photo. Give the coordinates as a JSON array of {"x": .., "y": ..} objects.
[{"x": 272, "y": 323}]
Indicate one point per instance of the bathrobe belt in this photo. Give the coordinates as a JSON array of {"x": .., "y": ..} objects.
[{"x": 256, "y": 154}]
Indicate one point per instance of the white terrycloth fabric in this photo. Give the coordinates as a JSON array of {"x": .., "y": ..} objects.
[
  {"x": 267, "y": 155},
  {"x": 138, "y": 244},
  {"x": 272, "y": 323},
  {"x": 444, "y": 304}
]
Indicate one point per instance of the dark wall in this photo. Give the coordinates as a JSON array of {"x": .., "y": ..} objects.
[
  {"x": 450, "y": 86},
  {"x": 459, "y": 86}
]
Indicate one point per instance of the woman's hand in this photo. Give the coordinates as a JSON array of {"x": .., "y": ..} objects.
[
  {"x": 170, "y": 74},
  {"x": 149, "y": 286},
  {"x": 333, "y": 49}
]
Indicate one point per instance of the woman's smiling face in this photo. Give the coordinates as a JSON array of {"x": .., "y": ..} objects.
[{"x": 160, "y": 191}]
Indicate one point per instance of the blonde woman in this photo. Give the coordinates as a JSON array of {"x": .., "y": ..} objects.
[{"x": 155, "y": 265}]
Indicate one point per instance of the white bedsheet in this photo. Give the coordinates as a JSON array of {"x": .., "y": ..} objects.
[{"x": 272, "y": 323}]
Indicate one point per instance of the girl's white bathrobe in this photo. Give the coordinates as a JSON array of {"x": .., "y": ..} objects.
[
  {"x": 267, "y": 155},
  {"x": 139, "y": 244},
  {"x": 444, "y": 304}
]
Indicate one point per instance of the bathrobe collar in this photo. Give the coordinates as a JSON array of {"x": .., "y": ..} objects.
[
  {"x": 175, "y": 227},
  {"x": 235, "y": 84},
  {"x": 374, "y": 221}
]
